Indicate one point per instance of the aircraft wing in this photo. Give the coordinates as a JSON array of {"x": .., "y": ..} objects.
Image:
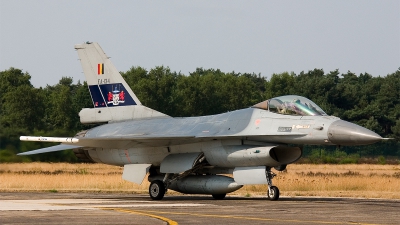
[
  {"x": 128, "y": 141},
  {"x": 104, "y": 142},
  {"x": 153, "y": 140}
]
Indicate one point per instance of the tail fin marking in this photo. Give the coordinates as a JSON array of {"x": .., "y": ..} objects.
[{"x": 110, "y": 95}]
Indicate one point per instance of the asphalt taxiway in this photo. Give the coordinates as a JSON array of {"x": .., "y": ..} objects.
[{"x": 84, "y": 208}]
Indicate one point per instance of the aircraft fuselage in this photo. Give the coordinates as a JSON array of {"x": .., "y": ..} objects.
[{"x": 247, "y": 128}]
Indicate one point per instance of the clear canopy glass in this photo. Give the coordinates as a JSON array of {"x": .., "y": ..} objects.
[{"x": 292, "y": 105}]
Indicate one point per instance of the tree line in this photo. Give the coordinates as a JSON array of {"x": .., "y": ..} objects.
[{"x": 372, "y": 102}]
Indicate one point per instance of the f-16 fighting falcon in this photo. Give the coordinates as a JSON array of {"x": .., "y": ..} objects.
[{"x": 193, "y": 155}]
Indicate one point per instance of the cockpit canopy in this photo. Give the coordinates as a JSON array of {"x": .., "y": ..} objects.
[{"x": 291, "y": 105}]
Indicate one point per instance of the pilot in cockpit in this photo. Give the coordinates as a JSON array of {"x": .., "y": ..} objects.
[{"x": 291, "y": 105}]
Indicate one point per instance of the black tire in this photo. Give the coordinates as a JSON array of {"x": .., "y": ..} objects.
[
  {"x": 274, "y": 194},
  {"x": 156, "y": 190},
  {"x": 218, "y": 196},
  {"x": 280, "y": 168}
]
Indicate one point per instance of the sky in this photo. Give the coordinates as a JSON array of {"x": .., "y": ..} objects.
[{"x": 262, "y": 37}]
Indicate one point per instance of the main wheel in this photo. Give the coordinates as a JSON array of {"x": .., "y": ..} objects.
[
  {"x": 273, "y": 194},
  {"x": 157, "y": 190},
  {"x": 218, "y": 196}
]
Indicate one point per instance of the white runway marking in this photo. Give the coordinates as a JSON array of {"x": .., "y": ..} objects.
[
  {"x": 41, "y": 205},
  {"x": 81, "y": 204}
]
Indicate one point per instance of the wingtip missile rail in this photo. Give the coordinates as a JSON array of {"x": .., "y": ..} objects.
[{"x": 49, "y": 139}]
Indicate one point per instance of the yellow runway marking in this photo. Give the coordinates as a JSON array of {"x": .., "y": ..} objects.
[
  {"x": 170, "y": 222},
  {"x": 255, "y": 218}
]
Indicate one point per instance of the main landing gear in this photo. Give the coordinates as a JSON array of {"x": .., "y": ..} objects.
[
  {"x": 157, "y": 190},
  {"x": 202, "y": 184},
  {"x": 273, "y": 191}
]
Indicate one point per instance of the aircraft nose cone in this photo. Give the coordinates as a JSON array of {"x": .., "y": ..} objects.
[{"x": 345, "y": 133}]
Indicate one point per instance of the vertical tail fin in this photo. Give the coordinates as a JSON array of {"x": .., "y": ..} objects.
[
  {"x": 113, "y": 99},
  {"x": 106, "y": 85}
]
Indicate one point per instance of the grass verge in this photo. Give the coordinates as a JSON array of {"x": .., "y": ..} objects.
[{"x": 365, "y": 180}]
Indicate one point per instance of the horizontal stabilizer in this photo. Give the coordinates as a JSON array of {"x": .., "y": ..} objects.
[{"x": 50, "y": 149}]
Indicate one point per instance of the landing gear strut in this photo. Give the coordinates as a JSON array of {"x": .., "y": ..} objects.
[
  {"x": 159, "y": 186},
  {"x": 273, "y": 191}
]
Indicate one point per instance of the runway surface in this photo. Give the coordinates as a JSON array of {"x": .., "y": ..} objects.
[{"x": 84, "y": 208}]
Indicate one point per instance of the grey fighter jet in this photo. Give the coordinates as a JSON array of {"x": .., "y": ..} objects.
[{"x": 192, "y": 155}]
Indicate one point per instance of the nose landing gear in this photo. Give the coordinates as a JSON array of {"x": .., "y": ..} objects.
[{"x": 273, "y": 191}]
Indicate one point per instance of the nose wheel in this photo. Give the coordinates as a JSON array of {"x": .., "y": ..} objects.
[{"x": 273, "y": 191}]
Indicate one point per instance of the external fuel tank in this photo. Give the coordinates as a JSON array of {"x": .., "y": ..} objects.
[{"x": 202, "y": 184}]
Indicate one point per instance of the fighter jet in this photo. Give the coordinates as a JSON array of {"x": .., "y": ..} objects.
[{"x": 196, "y": 155}]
